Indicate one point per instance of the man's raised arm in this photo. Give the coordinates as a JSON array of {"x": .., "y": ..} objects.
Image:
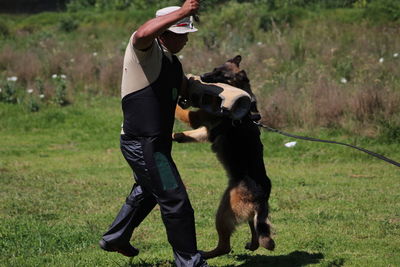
[{"x": 151, "y": 29}]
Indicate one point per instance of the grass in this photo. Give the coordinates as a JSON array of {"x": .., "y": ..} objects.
[{"x": 63, "y": 179}]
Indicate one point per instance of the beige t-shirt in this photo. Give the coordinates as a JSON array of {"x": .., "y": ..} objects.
[{"x": 141, "y": 68}]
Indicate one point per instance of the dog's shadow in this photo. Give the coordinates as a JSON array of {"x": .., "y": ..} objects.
[{"x": 293, "y": 259}]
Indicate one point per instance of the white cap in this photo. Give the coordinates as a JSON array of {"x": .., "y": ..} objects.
[{"x": 184, "y": 25}]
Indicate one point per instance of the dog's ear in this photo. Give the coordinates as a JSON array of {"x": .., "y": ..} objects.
[
  {"x": 236, "y": 60},
  {"x": 243, "y": 76}
]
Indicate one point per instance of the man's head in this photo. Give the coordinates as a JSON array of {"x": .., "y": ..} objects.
[{"x": 176, "y": 36}]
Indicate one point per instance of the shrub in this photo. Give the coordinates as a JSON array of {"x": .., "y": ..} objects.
[
  {"x": 32, "y": 104},
  {"x": 76, "y": 5},
  {"x": 68, "y": 24},
  {"x": 344, "y": 68},
  {"x": 8, "y": 94},
  {"x": 4, "y": 30},
  {"x": 60, "y": 96},
  {"x": 390, "y": 131},
  {"x": 383, "y": 10},
  {"x": 281, "y": 16},
  {"x": 103, "y": 5}
]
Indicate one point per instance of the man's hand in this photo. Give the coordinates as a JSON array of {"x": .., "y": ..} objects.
[{"x": 190, "y": 7}]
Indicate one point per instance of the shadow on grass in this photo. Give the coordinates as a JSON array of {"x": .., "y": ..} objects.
[
  {"x": 293, "y": 259},
  {"x": 143, "y": 263}
]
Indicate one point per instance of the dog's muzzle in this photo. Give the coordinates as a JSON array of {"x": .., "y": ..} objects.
[{"x": 218, "y": 98}]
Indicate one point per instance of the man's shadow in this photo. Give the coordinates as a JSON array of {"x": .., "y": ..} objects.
[{"x": 293, "y": 259}]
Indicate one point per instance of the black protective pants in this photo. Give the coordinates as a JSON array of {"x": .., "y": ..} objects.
[{"x": 157, "y": 182}]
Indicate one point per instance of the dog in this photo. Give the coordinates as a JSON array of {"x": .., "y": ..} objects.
[{"x": 238, "y": 147}]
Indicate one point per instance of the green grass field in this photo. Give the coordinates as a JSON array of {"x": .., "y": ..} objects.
[{"x": 63, "y": 179}]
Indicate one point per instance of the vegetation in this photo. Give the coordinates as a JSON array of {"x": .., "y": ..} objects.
[
  {"x": 310, "y": 65},
  {"x": 319, "y": 68},
  {"x": 63, "y": 180}
]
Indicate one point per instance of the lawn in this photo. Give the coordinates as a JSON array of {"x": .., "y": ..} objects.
[{"x": 63, "y": 178}]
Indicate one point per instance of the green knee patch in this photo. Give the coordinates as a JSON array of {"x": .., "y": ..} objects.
[
  {"x": 164, "y": 169},
  {"x": 174, "y": 94}
]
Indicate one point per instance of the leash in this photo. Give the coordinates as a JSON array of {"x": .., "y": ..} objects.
[{"x": 329, "y": 142}]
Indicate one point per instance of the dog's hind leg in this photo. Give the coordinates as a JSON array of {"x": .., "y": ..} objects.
[
  {"x": 263, "y": 228},
  {"x": 225, "y": 223},
  {"x": 253, "y": 244}
]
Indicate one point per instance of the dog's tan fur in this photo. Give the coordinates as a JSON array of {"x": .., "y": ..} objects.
[{"x": 244, "y": 199}]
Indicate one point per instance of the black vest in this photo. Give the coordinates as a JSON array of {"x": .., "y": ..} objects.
[{"x": 151, "y": 110}]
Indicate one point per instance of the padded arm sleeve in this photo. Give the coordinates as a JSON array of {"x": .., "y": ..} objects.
[{"x": 218, "y": 98}]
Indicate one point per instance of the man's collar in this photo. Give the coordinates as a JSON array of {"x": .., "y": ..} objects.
[{"x": 165, "y": 50}]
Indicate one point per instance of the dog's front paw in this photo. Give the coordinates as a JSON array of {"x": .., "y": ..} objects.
[{"x": 179, "y": 137}]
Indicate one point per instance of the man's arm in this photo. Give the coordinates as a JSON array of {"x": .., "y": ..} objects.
[{"x": 153, "y": 28}]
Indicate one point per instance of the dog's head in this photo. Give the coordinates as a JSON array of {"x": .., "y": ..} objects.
[{"x": 230, "y": 73}]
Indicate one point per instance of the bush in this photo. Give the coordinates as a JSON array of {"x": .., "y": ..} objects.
[
  {"x": 390, "y": 131},
  {"x": 281, "y": 16},
  {"x": 76, "y": 5},
  {"x": 9, "y": 93},
  {"x": 104, "y": 5},
  {"x": 383, "y": 10},
  {"x": 4, "y": 31},
  {"x": 68, "y": 24}
]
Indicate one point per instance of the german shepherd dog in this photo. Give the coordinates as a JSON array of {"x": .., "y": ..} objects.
[{"x": 238, "y": 147}]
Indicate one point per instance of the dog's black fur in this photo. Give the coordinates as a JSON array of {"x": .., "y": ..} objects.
[{"x": 238, "y": 147}]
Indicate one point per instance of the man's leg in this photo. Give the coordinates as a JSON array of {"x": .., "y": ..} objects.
[
  {"x": 137, "y": 206},
  {"x": 176, "y": 210}
]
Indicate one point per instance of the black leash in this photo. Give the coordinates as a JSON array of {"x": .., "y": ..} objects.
[{"x": 330, "y": 142}]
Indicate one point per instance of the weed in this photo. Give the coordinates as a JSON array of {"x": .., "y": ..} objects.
[
  {"x": 8, "y": 93},
  {"x": 32, "y": 102},
  {"x": 390, "y": 132},
  {"x": 344, "y": 68},
  {"x": 68, "y": 24},
  {"x": 4, "y": 30},
  {"x": 60, "y": 94},
  {"x": 380, "y": 11}
]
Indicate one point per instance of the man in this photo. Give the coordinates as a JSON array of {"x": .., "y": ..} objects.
[{"x": 151, "y": 82}]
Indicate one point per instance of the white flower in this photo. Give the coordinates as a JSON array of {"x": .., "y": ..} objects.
[
  {"x": 381, "y": 60},
  {"x": 72, "y": 60},
  {"x": 259, "y": 43},
  {"x": 181, "y": 56},
  {"x": 41, "y": 96},
  {"x": 30, "y": 91},
  {"x": 54, "y": 76},
  {"x": 63, "y": 76},
  {"x": 343, "y": 80},
  {"x": 94, "y": 54},
  {"x": 209, "y": 59},
  {"x": 12, "y": 79},
  {"x": 290, "y": 144},
  {"x": 396, "y": 55},
  {"x": 1, "y": 90}
]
